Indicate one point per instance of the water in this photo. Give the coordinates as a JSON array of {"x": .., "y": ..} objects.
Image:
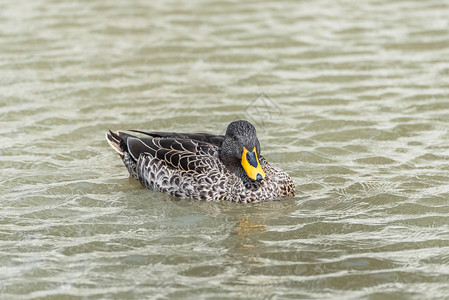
[{"x": 350, "y": 98}]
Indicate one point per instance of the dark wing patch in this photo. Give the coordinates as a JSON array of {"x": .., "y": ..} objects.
[
  {"x": 213, "y": 139},
  {"x": 184, "y": 163},
  {"x": 161, "y": 154},
  {"x": 189, "y": 146},
  {"x": 182, "y": 154},
  {"x": 138, "y": 146},
  {"x": 165, "y": 143},
  {"x": 174, "y": 159},
  {"x": 192, "y": 165},
  {"x": 177, "y": 146}
]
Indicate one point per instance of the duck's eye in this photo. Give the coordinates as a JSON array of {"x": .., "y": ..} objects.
[{"x": 234, "y": 138}]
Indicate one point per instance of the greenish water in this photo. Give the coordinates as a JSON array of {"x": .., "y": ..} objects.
[{"x": 351, "y": 98}]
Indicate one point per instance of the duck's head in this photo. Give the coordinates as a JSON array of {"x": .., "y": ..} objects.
[{"x": 240, "y": 149}]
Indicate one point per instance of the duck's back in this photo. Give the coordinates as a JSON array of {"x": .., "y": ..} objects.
[{"x": 175, "y": 164}]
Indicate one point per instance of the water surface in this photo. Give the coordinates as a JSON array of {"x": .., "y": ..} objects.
[{"x": 349, "y": 98}]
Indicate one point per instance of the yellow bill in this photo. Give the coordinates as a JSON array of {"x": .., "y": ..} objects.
[{"x": 251, "y": 165}]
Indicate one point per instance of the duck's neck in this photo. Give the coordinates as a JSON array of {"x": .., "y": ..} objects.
[
  {"x": 248, "y": 182},
  {"x": 238, "y": 170},
  {"x": 236, "y": 167}
]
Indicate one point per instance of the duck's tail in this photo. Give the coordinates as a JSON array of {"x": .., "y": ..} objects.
[{"x": 118, "y": 141}]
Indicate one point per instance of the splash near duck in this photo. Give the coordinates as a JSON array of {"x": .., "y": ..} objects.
[{"x": 203, "y": 166}]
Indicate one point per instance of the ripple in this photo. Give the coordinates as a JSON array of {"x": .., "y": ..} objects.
[
  {"x": 376, "y": 160},
  {"x": 356, "y": 134},
  {"x": 358, "y": 117}
]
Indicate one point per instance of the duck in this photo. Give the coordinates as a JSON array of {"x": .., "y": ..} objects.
[{"x": 203, "y": 166}]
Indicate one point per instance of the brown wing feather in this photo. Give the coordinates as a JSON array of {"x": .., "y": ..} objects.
[{"x": 182, "y": 154}]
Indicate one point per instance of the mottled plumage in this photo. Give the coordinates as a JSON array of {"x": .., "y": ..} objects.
[{"x": 202, "y": 166}]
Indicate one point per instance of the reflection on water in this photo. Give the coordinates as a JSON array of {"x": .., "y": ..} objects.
[{"x": 350, "y": 99}]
